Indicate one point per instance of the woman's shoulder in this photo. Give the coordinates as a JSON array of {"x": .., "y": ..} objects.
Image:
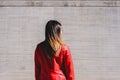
[
  {"x": 66, "y": 49},
  {"x": 38, "y": 45},
  {"x": 65, "y": 46}
]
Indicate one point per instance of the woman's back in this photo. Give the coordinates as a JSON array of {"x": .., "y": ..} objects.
[{"x": 55, "y": 68}]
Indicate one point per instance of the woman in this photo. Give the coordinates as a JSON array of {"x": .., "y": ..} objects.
[{"x": 53, "y": 60}]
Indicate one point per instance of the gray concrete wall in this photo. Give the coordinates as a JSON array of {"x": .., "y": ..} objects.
[{"x": 92, "y": 32}]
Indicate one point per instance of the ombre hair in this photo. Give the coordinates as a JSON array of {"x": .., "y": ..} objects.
[{"x": 53, "y": 40}]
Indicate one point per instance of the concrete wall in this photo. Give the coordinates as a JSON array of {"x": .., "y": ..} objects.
[{"x": 91, "y": 30}]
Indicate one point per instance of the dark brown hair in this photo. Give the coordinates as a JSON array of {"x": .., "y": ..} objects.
[{"x": 53, "y": 40}]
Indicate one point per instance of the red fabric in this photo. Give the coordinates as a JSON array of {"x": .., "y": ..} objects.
[{"x": 56, "y": 68}]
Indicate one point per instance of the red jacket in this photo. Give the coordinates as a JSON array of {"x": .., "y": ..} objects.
[{"x": 56, "y": 68}]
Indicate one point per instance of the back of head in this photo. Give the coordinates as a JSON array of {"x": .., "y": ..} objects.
[{"x": 53, "y": 40}]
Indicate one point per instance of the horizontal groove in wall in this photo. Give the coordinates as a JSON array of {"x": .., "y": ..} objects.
[{"x": 76, "y": 3}]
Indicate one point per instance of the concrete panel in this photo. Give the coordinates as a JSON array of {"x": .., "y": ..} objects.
[
  {"x": 93, "y": 35},
  {"x": 20, "y": 30},
  {"x": 91, "y": 32}
]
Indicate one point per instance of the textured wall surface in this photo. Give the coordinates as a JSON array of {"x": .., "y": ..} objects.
[
  {"x": 92, "y": 32},
  {"x": 60, "y": 3}
]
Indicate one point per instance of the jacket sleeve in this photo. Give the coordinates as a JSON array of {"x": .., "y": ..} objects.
[
  {"x": 37, "y": 65},
  {"x": 68, "y": 65}
]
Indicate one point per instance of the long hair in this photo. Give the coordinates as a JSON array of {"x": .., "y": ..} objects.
[{"x": 53, "y": 40}]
